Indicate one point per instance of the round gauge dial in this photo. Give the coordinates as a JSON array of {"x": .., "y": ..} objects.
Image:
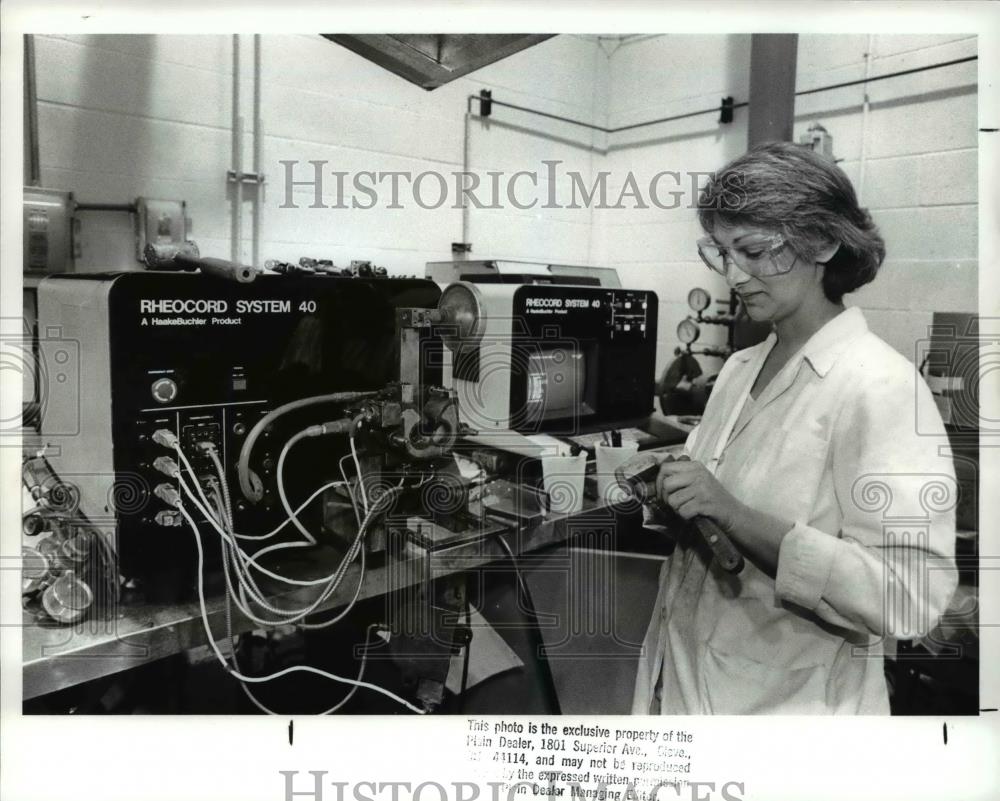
[
  {"x": 688, "y": 331},
  {"x": 699, "y": 299}
]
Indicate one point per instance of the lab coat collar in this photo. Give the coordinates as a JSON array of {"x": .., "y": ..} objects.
[
  {"x": 829, "y": 343},
  {"x": 747, "y": 354},
  {"x": 824, "y": 347}
]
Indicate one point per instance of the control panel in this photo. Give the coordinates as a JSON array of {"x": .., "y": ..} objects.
[{"x": 205, "y": 359}]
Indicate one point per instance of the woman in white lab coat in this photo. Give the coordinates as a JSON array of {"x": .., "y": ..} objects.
[{"x": 818, "y": 454}]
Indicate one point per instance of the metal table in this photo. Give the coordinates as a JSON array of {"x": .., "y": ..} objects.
[{"x": 55, "y": 658}]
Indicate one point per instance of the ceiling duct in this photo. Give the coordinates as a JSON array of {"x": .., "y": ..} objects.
[{"x": 431, "y": 60}]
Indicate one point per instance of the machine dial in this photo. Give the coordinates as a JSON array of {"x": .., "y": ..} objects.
[
  {"x": 699, "y": 299},
  {"x": 164, "y": 390},
  {"x": 462, "y": 311},
  {"x": 688, "y": 331}
]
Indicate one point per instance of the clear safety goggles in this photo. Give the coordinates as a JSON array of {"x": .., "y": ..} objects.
[{"x": 761, "y": 257}]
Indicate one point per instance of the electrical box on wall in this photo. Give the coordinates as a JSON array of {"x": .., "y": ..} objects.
[
  {"x": 48, "y": 231},
  {"x": 50, "y": 243},
  {"x": 819, "y": 139},
  {"x": 161, "y": 222}
]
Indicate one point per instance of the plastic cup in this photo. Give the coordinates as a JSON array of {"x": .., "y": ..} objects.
[
  {"x": 609, "y": 459},
  {"x": 562, "y": 479}
]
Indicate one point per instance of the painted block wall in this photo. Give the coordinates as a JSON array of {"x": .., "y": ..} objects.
[
  {"x": 914, "y": 163},
  {"x": 912, "y": 156},
  {"x": 654, "y": 77},
  {"x": 122, "y": 116}
]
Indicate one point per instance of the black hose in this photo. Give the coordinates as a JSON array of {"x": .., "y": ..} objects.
[
  {"x": 468, "y": 648},
  {"x": 254, "y": 492},
  {"x": 540, "y": 659}
]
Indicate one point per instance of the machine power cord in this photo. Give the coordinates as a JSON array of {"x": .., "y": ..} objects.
[
  {"x": 249, "y": 586},
  {"x": 539, "y": 643},
  {"x": 465, "y": 655},
  {"x": 286, "y": 671}
]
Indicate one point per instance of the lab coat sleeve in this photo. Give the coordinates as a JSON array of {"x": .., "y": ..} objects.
[
  {"x": 691, "y": 437},
  {"x": 890, "y": 570}
]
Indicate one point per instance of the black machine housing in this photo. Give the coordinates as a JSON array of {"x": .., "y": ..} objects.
[{"x": 206, "y": 359}]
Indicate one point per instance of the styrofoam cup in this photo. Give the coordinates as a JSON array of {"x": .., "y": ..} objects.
[
  {"x": 562, "y": 479},
  {"x": 609, "y": 459}
]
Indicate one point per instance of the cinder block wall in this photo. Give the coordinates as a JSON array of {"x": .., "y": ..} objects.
[
  {"x": 654, "y": 77},
  {"x": 122, "y": 116},
  {"x": 912, "y": 155},
  {"x": 913, "y": 158}
]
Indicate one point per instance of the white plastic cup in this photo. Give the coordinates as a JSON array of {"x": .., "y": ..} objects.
[
  {"x": 562, "y": 479},
  {"x": 609, "y": 459}
]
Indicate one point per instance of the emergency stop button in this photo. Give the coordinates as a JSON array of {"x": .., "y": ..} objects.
[{"x": 164, "y": 390}]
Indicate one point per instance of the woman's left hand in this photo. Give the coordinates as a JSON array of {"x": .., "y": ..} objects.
[{"x": 691, "y": 490}]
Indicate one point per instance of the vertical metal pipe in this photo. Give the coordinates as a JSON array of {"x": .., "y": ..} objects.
[
  {"x": 772, "y": 87},
  {"x": 255, "y": 252},
  {"x": 237, "y": 244},
  {"x": 465, "y": 170},
  {"x": 865, "y": 114},
  {"x": 32, "y": 160}
]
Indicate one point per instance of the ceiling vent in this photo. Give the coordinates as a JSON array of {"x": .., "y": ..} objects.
[{"x": 431, "y": 60}]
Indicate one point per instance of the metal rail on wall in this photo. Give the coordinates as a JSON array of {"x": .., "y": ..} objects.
[{"x": 724, "y": 109}]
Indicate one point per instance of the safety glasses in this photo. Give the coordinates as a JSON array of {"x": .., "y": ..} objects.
[{"x": 759, "y": 257}]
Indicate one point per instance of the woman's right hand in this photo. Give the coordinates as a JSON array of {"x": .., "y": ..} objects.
[{"x": 691, "y": 490}]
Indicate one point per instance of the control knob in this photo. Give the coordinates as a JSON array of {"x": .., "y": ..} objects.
[{"x": 164, "y": 390}]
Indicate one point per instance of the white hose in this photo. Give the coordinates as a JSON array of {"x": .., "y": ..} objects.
[{"x": 286, "y": 671}]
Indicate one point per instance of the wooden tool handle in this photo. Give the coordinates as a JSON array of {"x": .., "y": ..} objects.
[
  {"x": 730, "y": 559},
  {"x": 725, "y": 552},
  {"x": 638, "y": 478}
]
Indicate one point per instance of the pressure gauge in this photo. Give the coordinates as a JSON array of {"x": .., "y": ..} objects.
[
  {"x": 688, "y": 331},
  {"x": 699, "y": 299}
]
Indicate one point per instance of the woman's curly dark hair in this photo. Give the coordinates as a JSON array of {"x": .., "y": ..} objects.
[{"x": 790, "y": 189}]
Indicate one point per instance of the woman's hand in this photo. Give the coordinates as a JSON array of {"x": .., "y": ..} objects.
[{"x": 691, "y": 491}]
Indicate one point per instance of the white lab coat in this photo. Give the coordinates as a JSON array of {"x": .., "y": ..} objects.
[{"x": 844, "y": 442}]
